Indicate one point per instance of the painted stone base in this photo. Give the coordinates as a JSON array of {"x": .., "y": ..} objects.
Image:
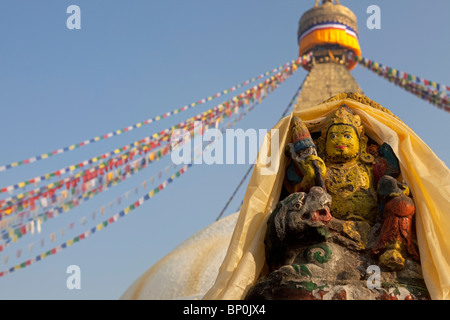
[
  {"x": 341, "y": 268},
  {"x": 286, "y": 284}
]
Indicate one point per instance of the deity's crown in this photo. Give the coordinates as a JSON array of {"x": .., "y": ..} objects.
[{"x": 344, "y": 115}]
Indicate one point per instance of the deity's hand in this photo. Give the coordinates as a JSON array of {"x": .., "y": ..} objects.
[{"x": 307, "y": 167}]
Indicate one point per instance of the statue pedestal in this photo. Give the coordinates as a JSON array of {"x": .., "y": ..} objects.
[{"x": 341, "y": 268}]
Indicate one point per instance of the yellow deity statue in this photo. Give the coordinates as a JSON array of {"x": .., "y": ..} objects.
[
  {"x": 347, "y": 167},
  {"x": 347, "y": 174}
]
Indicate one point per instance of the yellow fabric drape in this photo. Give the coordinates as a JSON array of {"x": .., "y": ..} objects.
[{"x": 426, "y": 175}]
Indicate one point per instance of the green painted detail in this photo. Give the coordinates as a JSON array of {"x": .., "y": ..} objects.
[
  {"x": 323, "y": 232},
  {"x": 308, "y": 285},
  {"x": 302, "y": 270},
  {"x": 319, "y": 256},
  {"x": 311, "y": 286},
  {"x": 396, "y": 291},
  {"x": 305, "y": 271}
]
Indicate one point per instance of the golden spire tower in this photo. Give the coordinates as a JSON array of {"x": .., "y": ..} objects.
[{"x": 328, "y": 31}]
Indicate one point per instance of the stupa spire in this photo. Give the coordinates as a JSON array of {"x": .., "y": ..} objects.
[
  {"x": 329, "y": 26},
  {"x": 328, "y": 32}
]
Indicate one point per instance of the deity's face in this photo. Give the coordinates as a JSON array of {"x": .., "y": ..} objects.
[{"x": 342, "y": 143}]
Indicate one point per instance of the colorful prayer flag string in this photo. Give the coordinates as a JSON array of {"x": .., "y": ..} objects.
[
  {"x": 164, "y": 134},
  {"x": 270, "y": 88},
  {"x": 13, "y": 235},
  {"x": 99, "y": 227},
  {"x": 148, "y": 121},
  {"x": 105, "y": 223},
  {"x": 140, "y": 164},
  {"x": 103, "y": 165},
  {"x": 97, "y": 171},
  {"x": 433, "y": 92},
  {"x": 19, "y": 230},
  {"x": 254, "y": 93},
  {"x": 136, "y": 204}
]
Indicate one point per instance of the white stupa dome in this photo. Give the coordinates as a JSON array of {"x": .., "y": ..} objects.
[{"x": 190, "y": 269}]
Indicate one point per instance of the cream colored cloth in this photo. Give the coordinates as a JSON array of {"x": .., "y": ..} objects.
[{"x": 426, "y": 175}]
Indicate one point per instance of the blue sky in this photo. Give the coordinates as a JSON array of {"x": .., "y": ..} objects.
[{"x": 133, "y": 60}]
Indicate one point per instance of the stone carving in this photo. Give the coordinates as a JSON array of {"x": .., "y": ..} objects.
[
  {"x": 321, "y": 241},
  {"x": 296, "y": 221},
  {"x": 313, "y": 256}
]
